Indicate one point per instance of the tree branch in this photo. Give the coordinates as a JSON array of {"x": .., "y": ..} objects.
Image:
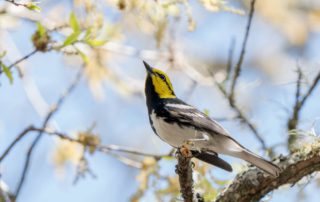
[
  {"x": 15, "y": 141},
  {"x": 20, "y": 60},
  {"x": 54, "y": 109},
  {"x": 243, "y": 50},
  {"x": 101, "y": 148},
  {"x": 231, "y": 96},
  {"x": 243, "y": 117},
  {"x": 299, "y": 103},
  {"x": 29, "y": 5},
  {"x": 230, "y": 58},
  {"x": 253, "y": 185},
  {"x": 184, "y": 171},
  {"x": 312, "y": 87}
]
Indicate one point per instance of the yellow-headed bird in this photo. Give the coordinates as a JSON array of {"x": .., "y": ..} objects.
[{"x": 178, "y": 123}]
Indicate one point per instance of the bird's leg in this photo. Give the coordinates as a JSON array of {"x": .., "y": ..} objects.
[
  {"x": 185, "y": 149},
  {"x": 189, "y": 145}
]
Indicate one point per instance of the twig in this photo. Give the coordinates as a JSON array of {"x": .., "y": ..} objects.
[
  {"x": 54, "y": 109},
  {"x": 312, "y": 87},
  {"x": 102, "y": 148},
  {"x": 20, "y": 136},
  {"x": 230, "y": 97},
  {"x": 83, "y": 168},
  {"x": 292, "y": 123},
  {"x": 15, "y": 3},
  {"x": 243, "y": 117},
  {"x": 299, "y": 103},
  {"x": 26, "y": 5},
  {"x": 230, "y": 58},
  {"x": 243, "y": 50},
  {"x": 20, "y": 60},
  {"x": 184, "y": 171}
]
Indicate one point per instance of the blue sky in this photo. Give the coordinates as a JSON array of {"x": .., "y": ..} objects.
[{"x": 123, "y": 120}]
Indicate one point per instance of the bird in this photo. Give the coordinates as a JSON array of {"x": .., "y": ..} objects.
[{"x": 180, "y": 124}]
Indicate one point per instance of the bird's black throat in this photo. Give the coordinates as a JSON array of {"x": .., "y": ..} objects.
[{"x": 152, "y": 98}]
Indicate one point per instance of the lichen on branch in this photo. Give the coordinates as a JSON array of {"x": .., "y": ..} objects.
[{"x": 253, "y": 185}]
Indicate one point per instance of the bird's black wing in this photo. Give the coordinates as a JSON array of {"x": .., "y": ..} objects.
[
  {"x": 186, "y": 115},
  {"x": 213, "y": 159}
]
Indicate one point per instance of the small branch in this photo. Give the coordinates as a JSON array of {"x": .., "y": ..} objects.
[
  {"x": 184, "y": 171},
  {"x": 299, "y": 103},
  {"x": 230, "y": 97},
  {"x": 54, "y": 109},
  {"x": 15, "y": 3},
  {"x": 298, "y": 89},
  {"x": 293, "y": 121},
  {"x": 107, "y": 149},
  {"x": 253, "y": 185},
  {"x": 101, "y": 148},
  {"x": 28, "y": 5},
  {"x": 243, "y": 50},
  {"x": 312, "y": 87},
  {"x": 243, "y": 117},
  {"x": 83, "y": 167},
  {"x": 20, "y": 60},
  {"x": 15, "y": 141},
  {"x": 230, "y": 58}
]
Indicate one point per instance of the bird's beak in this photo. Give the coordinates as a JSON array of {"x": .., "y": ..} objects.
[{"x": 148, "y": 68}]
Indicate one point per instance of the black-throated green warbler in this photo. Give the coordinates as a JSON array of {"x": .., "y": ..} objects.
[{"x": 178, "y": 123}]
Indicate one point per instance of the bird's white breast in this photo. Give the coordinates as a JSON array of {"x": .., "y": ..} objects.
[{"x": 172, "y": 133}]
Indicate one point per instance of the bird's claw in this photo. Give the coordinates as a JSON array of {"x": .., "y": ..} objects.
[{"x": 185, "y": 149}]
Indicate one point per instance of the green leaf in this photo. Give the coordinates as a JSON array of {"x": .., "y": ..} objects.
[
  {"x": 169, "y": 158},
  {"x": 221, "y": 182},
  {"x": 8, "y": 73},
  {"x": 83, "y": 56},
  {"x": 41, "y": 30},
  {"x": 95, "y": 42},
  {"x": 71, "y": 39},
  {"x": 3, "y": 54},
  {"x": 74, "y": 22},
  {"x": 206, "y": 112},
  {"x": 88, "y": 34},
  {"x": 33, "y": 6}
]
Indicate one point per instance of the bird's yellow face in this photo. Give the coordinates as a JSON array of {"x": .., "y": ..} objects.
[{"x": 161, "y": 82}]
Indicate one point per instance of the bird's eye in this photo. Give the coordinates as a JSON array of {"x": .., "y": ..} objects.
[{"x": 162, "y": 77}]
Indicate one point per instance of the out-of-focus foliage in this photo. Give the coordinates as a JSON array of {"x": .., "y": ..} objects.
[
  {"x": 167, "y": 186},
  {"x": 5, "y": 69},
  {"x": 96, "y": 35},
  {"x": 66, "y": 152},
  {"x": 74, "y": 152},
  {"x": 41, "y": 38},
  {"x": 87, "y": 138},
  {"x": 149, "y": 170},
  {"x": 295, "y": 19}
]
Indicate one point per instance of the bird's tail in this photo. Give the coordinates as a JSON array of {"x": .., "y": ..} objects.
[
  {"x": 229, "y": 146},
  {"x": 213, "y": 159},
  {"x": 259, "y": 162}
]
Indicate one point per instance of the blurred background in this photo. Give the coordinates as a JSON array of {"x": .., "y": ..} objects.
[{"x": 105, "y": 41}]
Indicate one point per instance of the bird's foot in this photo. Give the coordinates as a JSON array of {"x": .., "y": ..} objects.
[{"x": 185, "y": 150}]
